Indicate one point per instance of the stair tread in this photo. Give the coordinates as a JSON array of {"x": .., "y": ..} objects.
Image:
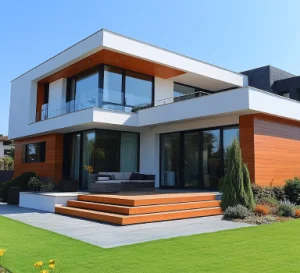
[
  {"x": 132, "y": 216},
  {"x": 143, "y": 206},
  {"x": 151, "y": 199}
]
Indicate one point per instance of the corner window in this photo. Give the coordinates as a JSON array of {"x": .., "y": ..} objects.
[
  {"x": 285, "y": 94},
  {"x": 35, "y": 152}
]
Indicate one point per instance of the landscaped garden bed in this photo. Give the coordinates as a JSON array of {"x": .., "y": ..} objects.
[{"x": 253, "y": 204}]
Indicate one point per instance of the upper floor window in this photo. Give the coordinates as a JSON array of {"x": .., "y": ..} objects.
[
  {"x": 109, "y": 87},
  {"x": 138, "y": 89},
  {"x": 182, "y": 90},
  {"x": 35, "y": 152},
  {"x": 285, "y": 94}
]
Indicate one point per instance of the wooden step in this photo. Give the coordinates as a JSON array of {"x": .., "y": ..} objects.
[
  {"x": 129, "y": 210},
  {"x": 137, "y": 219},
  {"x": 150, "y": 199}
]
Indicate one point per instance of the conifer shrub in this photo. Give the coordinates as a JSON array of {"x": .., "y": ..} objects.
[{"x": 236, "y": 185}]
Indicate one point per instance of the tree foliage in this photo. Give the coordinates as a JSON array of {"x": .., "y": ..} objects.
[{"x": 236, "y": 182}]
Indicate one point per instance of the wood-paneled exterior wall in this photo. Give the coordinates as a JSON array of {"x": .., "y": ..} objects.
[
  {"x": 271, "y": 148},
  {"x": 52, "y": 167}
]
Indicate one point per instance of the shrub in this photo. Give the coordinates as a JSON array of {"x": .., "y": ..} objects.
[
  {"x": 297, "y": 213},
  {"x": 286, "y": 209},
  {"x": 250, "y": 203},
  {"x": 233, "y": 186},
  {"x": 20, "y": 181},
  {"x": 262, "y": 210},
  {"x": 292, "y": 190},
  {"x": 236, "y": 212},
  {"x": 266, "y": 193}
]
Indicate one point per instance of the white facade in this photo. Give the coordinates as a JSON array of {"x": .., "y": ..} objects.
[{"x": 216, "y": 109}]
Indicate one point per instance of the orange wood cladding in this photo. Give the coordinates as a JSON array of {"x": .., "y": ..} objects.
[
  {"x": 117, "y": 59},
  {"x": 270, "y": 147},
  {"x": 52, "y": 167},
  {"x": 40, "y": 97}
]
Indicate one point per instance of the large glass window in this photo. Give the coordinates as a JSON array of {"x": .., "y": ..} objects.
[
  {"x": 86, "y": 94},
  {"x": 183, "y": 92},
  {"x": 191, "y": 159},
  {"x": 35, "y": 152},
  {"x": 129, "y": 152},
  {"x": 138, "y": 89},
  {"x": 88, "y": 149},
  {"x": 170, "y": 160},
  {"x": 211, "y": 159},
  {"x": 74, "y": 153},
  {"x": 195, "y": 159},
  {"x": 107, "y": 151},
  {"x": 229, "y": 135},
  {"x": 112, "y": 89}
]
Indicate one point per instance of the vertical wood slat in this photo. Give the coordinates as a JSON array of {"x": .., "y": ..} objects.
[{"x": 270, "y": 147}]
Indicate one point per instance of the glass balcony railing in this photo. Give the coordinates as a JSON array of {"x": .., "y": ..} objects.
[{"x": 105, "y": 99}]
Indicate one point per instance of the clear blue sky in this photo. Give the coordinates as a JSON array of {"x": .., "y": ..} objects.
[{"x": 233, "y": 34}]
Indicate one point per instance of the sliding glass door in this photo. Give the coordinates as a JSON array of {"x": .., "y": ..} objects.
[
  {"x": 191, "y": 171},
  {"x": 195, "y": 159},
  {"x": 211, "y": 163},
  {"x": 170, "y": 160}
]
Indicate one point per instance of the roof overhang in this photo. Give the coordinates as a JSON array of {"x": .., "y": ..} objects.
[{"x": 114, "y": 49}]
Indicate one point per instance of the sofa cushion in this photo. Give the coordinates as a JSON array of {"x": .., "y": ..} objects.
[
  {"x": 134, "y": 176},
  {"x": 109, "y": 176},
  {"x": 103, "y": 178},
  {"x": 109, "y": 182},
  {"x": 126, "y": 175}
]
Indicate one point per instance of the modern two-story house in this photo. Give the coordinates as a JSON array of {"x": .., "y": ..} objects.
[{"x": 121, "y": 105}]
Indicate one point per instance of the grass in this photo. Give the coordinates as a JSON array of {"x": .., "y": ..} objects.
[{"x": 268, "y": 248}]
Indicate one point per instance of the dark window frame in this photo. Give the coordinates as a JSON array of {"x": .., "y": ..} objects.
[
  {"x": 71, "y": 82},
  {"x": 201, "y": 130},
  {"x": 42, "y": 153}
]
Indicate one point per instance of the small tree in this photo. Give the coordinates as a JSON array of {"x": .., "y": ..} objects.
[
  {"x": 234, "y": 190},
  {"x": 250, "y": 203}
]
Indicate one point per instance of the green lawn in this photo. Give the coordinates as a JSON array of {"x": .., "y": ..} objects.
[{"x": 269, "y": 248}]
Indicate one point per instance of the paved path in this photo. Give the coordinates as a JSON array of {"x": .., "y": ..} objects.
[{"x": 108, "y": 236}]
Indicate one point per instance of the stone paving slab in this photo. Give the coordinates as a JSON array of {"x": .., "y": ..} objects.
[{"x": 108, "y": 236}]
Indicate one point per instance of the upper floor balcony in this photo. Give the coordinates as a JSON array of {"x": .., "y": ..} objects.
[{"x": 107, "y": 100}]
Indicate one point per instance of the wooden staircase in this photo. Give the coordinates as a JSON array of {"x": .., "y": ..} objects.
[{"x": 143, "y": 208}]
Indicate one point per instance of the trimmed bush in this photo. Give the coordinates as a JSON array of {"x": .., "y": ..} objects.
[
  {"x": 235, "y": 189},
  {"x": 286, "y": 209},
  {"x": 236, "y": 212},
  {"x": 20, "y": 181},
  {"x": 292, "y": 190},
  {"x": 262, "y": 210}
]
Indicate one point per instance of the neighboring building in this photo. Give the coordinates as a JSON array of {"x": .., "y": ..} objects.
[
  {"x": 118, "y": 104},
  {"x": 275, "y": 80},
  {"x": 5, "y": 146}
]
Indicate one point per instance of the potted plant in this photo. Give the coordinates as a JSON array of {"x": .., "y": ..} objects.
[
  {"x": 92, "y": 176},
  {"x": 34, "y": 183},
  {"x": 13, "y": 195}
]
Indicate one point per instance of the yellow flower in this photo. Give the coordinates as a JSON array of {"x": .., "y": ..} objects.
[
  {"x": 51, "y": 266},
  {"x": 44, "y": 271},
  {"x": 38, "y": 264},
  {"x": 2, "y": 251},
  {"x": 52, "y": 261}
]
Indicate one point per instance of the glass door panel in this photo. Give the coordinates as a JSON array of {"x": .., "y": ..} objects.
[
  {"x": 112, "y": 89},
  {"x": 87, "y": 156},
  {"x": 170, "y": 160},
  {"x": 191, "y": 160},
  {"x": 211, "y": 154},
  {"x": 75, "y": 157},
  {"x": 129, "y": 152}
]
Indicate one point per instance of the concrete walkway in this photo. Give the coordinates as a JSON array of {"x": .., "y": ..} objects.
[{"x": 108, "y": 236}]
